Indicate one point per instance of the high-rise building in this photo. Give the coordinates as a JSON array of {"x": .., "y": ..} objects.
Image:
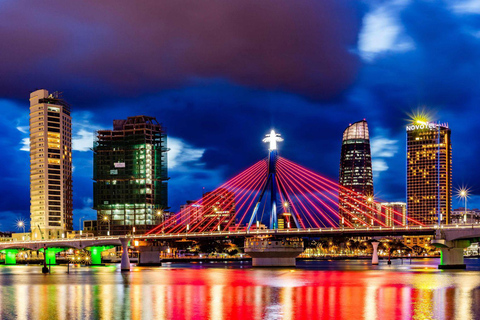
[
  {"x": 130, "y": 175},
  {"x": 429, "y": 172},
  {"x": 355, "y": 175},
  {"x": 392, "y": 212},
  {"x": 51, "y": 208}
]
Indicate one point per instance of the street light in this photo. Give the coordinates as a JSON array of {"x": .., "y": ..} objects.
[
  {"x": 463, "y": 193},
  {"x": 21, "y": 224},
  {"x": 105, "y": 218}
]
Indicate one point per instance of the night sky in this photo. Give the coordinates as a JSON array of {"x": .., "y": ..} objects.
[{"x": 220, "y": 74}]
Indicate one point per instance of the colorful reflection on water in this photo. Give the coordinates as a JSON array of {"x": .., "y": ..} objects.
[{"x": 193, "y": 292}]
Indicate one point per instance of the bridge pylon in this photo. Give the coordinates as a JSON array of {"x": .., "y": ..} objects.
[{"x": 271, "y": 183}]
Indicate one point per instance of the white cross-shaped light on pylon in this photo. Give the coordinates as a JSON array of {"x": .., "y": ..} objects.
[{"x": 273, "y": 138}]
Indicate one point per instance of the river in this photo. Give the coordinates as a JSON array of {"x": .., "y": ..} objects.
[{"x": 314, "y": 290}]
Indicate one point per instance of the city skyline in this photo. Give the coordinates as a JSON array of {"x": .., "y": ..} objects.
[{"x": 213, "y": 112}]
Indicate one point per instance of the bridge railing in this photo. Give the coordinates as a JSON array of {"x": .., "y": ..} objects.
[{"x": 266, "y": 232}]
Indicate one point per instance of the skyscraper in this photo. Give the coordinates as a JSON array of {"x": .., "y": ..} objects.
[
  {"x": 50, "y": 165},
  {"x": 355, "y": 175},
  {"x": 429, "y": 172},
  {"x": 130, "y": 175}
]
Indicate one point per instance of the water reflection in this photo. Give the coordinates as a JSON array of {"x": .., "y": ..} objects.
[{"x": 228, "y": 294}]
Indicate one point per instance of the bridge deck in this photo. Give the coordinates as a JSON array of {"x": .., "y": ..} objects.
[{"x": 322, "y": 232}]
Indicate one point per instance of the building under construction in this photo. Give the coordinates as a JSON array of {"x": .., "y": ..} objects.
[{"x": 130, "y": 176}]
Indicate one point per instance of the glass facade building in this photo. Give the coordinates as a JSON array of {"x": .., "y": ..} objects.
[
  {"x": 355, "y": 175},
  {"x": 130, "y": 176},
  {"x": 429, "y": 172},
  {"x": 51, "y": 207}
]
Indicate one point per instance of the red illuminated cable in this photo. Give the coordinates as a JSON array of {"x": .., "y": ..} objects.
[
  {"x": 351, "y": 205},
  {"x": 362, "y": 196},
  {"x": 251, "y": 202},
  {"x": 241, "y": 194},
  {"x": 291, "y": 178},
  {"x": 285, "y": 183},
  {"x": 254, "y": 184},
  {"x": 346, "y": 194},
  {"x": 174, "y": 218},
  {"x": 291, "y": 203},
  {"x": 319, "y": 210},
  {"x": 257, "y": 188},
  {"x": 313, "y": 194},
  {"x": 241, "y": 182},
  {"x": 186, "y": 211}
]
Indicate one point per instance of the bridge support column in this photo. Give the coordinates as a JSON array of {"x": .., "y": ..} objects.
[
  {"x": 273, "y": 253},
  {"x": 50, "y": 255},
  {"x": 375, "y": 252},
  {"x": 96, "y": 253},
  {"x": 10, "y": 256},
  {"x": 125, "y": 264},
  {"x": 451, "y": 253}
]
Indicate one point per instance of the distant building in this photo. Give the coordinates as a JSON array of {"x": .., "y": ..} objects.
[
  {"x": 190, "y": 213},
  {"x": 392, "y": 212},
  {"x": 429, "y": 172},
  {"x": 355, "y": 174},
  {"x": 219, "y": 208},
  {"x": 130, "y": 176},
  {"x": 90, "y": 226},
  {"x": 419, "y": 241},
  {"x": 470, "y": 216},
  {"x": 51, "y": 206}
]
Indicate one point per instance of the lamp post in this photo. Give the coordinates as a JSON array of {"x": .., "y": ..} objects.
[
  {"x": 80, "y": 224},
  {"x": 21, "y": 224},
  {"x": 463, "y": 194},
  {"x": 105, "y": 218}
]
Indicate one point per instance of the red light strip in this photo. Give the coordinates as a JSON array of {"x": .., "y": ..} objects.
[
  {"x": 351, "y": 205},
  {"x": 315, "y": 196},
  {"x": 251, "y": 203},
  {"x": 293, "y": 206},
  {"x": 239, "y": 183},
  {"x": 296, "y": 183},
  {"x": 307, "y": 177},
  {"x": 312, "y": 219},
  {"x": 181, "y": 215},
  {"x": 254, "y": 184},
  {"x": 360, "y": 195}
]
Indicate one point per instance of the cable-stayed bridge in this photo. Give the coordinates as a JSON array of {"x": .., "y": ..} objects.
[{"x": 273, "y": 204}]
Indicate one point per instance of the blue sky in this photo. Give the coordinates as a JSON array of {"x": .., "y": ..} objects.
[{"x": 220, "y": 74}]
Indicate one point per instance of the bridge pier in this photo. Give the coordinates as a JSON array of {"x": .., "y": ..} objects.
[
  {"x": 50, "y": 254},
  {"x": 10, "y": 256},
  {"x": 96, "y": 253},
  {"x": 451, "y": 253},
  {"x": 125, "y": 263},
  {"x": 273, "y": 253},
  {"x": 375, "y": 252}
]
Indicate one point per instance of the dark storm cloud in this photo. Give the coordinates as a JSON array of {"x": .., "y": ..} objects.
[
  {"x": 221, "y": 74},
  {"x": 127, "y": 48}
]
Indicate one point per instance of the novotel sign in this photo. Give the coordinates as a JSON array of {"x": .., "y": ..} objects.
[{"x": 425, "y": 125}]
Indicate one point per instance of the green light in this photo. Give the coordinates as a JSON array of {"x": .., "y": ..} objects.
[
  {"x": 51, "y": 253},
  {"x": 10, "y": 256},
  {"x": 96, "y": 253}
]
